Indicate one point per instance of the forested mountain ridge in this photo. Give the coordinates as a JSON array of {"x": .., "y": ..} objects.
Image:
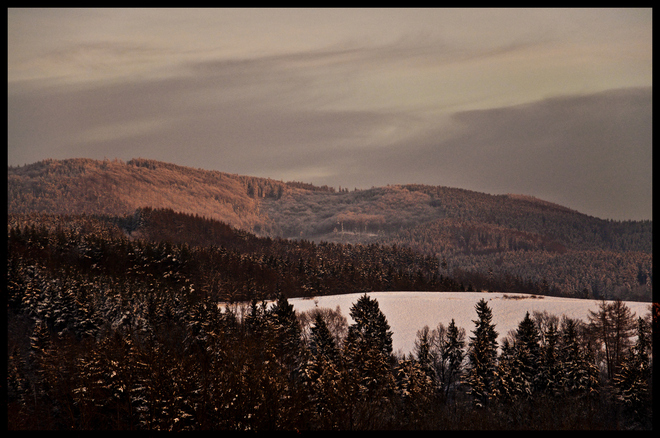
[{"x": 476, "y": 236}]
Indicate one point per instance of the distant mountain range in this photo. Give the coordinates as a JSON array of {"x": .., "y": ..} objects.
[{"x": 478, "y": 238}]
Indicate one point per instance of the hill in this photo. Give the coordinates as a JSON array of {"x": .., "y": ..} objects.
[{"x": 486, "y": 241}]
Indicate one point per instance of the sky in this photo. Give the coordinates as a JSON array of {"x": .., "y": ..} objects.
[{"x": 552, "y": 103}]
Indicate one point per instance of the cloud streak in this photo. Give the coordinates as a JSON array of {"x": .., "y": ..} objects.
[{"x": 554, "y": 104}]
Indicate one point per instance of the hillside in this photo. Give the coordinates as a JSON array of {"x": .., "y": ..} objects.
[{"x": 481, "y": 239}]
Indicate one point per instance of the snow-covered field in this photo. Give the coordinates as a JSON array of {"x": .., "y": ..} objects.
[{"x": 408, "y": 312}]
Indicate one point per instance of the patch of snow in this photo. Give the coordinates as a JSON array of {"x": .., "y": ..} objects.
[{"x": 408, "y": 312}]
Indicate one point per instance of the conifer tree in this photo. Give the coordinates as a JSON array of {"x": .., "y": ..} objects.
[
  {"x": 368, "y": 362},
  {"x": 482, "y": 355},
  {"x": 423, "y": 354},
  {"x": 527, "y": 356},
  {"x": 551, "y": 369},
  {"x": 415, "y": 390},
  {"x": 580, "y": 375},
  {"x": 322, "y": 378},
  {"x": 288, "y": 334},
  {"x": 506, "y": 380},
  {"x": 632, "y": 383}
]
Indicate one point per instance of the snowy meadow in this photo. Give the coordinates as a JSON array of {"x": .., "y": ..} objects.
[{"x": 408, "y": 312}]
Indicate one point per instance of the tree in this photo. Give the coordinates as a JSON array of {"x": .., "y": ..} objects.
[
  {"x": 632, "y": 383},
  {"x": 370, "y": 326},
  {"x": 287, "y": 332},
  {"x": 482, "y": 355},
  {"x": 580, "y": 373},
  {"x": 448, "y": 354},
  {"x": 322, "y": 343},
  {"x": 367, "y": 372},
  {"x": 415, "y": 390},
  {"x": 423, "y": 353},
  {"x": 527, "y": 354},
  {"x": 614, "y": 324},
  {"x": 551, "y": 371},
  {"x": 322, "y": 378}
]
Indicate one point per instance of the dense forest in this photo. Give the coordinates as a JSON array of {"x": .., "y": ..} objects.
[
  {"x": 508, "y": 242},
  {"x": 159, "y": 320}
]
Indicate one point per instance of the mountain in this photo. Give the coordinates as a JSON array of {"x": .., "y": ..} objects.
[{"x": 482, "y": 240}]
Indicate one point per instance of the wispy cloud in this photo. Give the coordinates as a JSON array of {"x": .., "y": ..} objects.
[{"x": 469, "y": 98}]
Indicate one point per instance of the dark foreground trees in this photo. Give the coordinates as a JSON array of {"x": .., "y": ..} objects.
[{"x": 172, "y": 363}]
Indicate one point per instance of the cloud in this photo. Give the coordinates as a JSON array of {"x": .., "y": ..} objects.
[
  {"x": 357, "y": 114},
  {"x": 592, "y": 153}
]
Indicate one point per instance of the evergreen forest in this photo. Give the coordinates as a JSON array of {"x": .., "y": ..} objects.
[{"x": 166, "y": 321}]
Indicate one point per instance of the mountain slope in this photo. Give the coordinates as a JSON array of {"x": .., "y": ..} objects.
[
  {"x": 477, "y": 236},
  {"x": 117, "y": 188}
]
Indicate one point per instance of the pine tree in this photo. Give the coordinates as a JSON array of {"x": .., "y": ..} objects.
[
  {"x": 527, "y": 356},
  {"x": 415, "y": 390},
  {"x": 371, "y": 325},
  {"x": 482, "y": 355},
  {"x": 322, "y": 343},
  {"x": 288, "y": 334},
  {"x": 632, "y": 383},
  {"x": 367, "y": 372},
  {"x": 506, "y": 379},
  {"x": 322, "y": 378},
  {"x": 551, "y": 370},
  {"x": 581, "y": 376},
  {"x": 423, "y": 354}
]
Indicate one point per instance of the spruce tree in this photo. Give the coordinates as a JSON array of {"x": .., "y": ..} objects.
[
  {"x": 482, "y": 355},
  {"x": 423, "y": 353},
  {"x": 527, "y": 356},
  {"x": 367, "y": 372},
  {"x": 632, "y": 383},
  {"x": 322, "y": 378},
  {"x": 448, "y": 355},
  {"x": 551, "y": 370},
  {"x": 371, "y": 326},
  {"x": 580, "y": 374}
]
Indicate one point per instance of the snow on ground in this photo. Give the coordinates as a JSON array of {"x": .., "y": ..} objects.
[{"x": 408, "y": 312}]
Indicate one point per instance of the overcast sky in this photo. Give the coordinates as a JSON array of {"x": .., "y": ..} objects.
[{"x": 553, "y": 103}]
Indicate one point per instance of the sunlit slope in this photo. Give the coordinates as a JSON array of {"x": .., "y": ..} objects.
[{"x": 118, "y": 188}]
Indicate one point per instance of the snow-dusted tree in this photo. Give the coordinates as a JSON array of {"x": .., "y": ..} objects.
[
  {"x": 367, "y": 371},
  {"x": 371, "y": 327},
  {"x": 527, "y": 355},
  {"x": 415, "y": 390},
  {"x": 287, "y": 334},
  {"x": 506, "y": 380},
  {"x": 632, "y": 383},
  {"x": 322, "y": 378},
  {"x": 551, "y": 370},
  {"x": 482, "y": 355},
  {"x": 581, "y": 375}
]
